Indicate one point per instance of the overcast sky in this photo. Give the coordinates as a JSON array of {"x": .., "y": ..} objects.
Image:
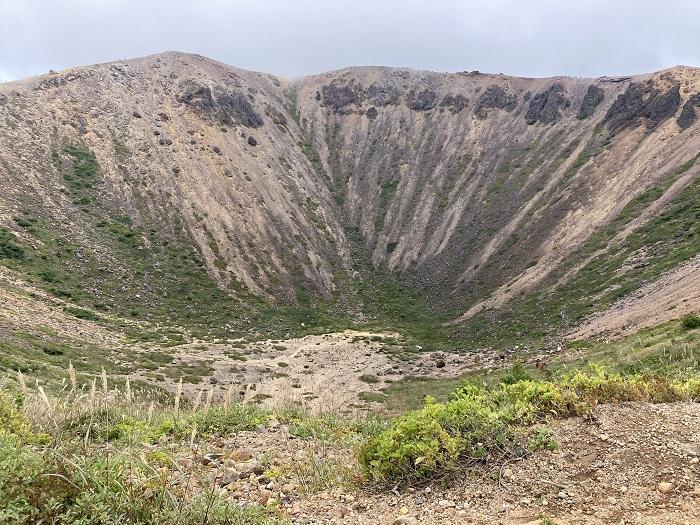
[{"x": 296, "y": 37}]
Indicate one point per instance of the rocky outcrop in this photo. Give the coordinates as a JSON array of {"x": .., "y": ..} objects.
[
  {"x": 593, "y": 97},
  {"x": 494, "y": 97},
  {"x": 227, "y": 107},
  {"x": 455, "y": 103},
  {"x": 422, "y": 100},
  {"x": 338, "y": 96},
  {"x": 662, "y": 106},
  {"x": 642, "y": 102},
  {"x": 546, "y": 107},
  {"x": 381, "y": 95},
  {"x": 626, "y": 110},
  {"x": 687, "y": 116}
]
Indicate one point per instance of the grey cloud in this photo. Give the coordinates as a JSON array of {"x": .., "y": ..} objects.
[{"x": 291, "y": 38}]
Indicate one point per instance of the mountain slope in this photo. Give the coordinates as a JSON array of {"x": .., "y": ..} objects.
[{"x": 184, "y": 192}]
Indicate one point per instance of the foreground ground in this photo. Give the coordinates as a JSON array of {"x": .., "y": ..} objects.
[
  {"x": 102, "y": 451},
  {"x": 611, "y": 468}
]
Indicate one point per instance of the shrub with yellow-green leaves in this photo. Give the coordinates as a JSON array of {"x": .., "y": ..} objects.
[{"x": 480, "y": 422}]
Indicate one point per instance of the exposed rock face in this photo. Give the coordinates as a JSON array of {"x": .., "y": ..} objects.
[
  {"x": 338, "y": 96},
  {"x": 662, "y": 106},
  {"x": 627, "y": 109},
  {"x": 228, "y": 107},
  {"x": 593, "y": 97},
  {"x": 642, "y": 101},
  {"x": 546, "y": 107},
  {"x": 422, "y": 100},
  {"x": 494, "y": 97},
  {"x": 687, "y": 116},
  {"x": 455, "y": 103},
  {"x": 381, "y": 95}
]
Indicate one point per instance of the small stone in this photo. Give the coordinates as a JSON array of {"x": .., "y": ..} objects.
[
  {"x": 252, "y": 141},
  {"x": 612, "y": 500},
  {"x": 508, "y": 473},
  {"x": 251, "y": 469},
  {"x": 242, "y": 454},
  {"x": 665, "y": 487},
  {"x": 210, "y": 458},
  {"x": 694, "y": 461},
  {"x": 264, "y": 497},
  {"x": 405, "y": 520},
  {"x": 228, "y": 478},
  {"x": 403, "y": 510}
]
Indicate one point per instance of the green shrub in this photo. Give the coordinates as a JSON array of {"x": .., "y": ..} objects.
[
  {"x": 517, "y": 373},
  {"x": 11, "y": 419},
  {"x": 690, "y": 321},
  {"x": 82, "y": 313},
  {"x": 543, "y": 440},
  {"x": 435, "y": 438},
  {"x": 9, "y": 248},
  {"x": 477, "y": 420}
]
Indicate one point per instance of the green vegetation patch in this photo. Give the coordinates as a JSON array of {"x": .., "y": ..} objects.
[{"x": 478, "y": 422}]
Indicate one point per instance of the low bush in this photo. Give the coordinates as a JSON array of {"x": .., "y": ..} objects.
[
  {"x": 480, "y": 422},
  {"x": 9, "y": 248},
  {"x": 690, "y": 321}
]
